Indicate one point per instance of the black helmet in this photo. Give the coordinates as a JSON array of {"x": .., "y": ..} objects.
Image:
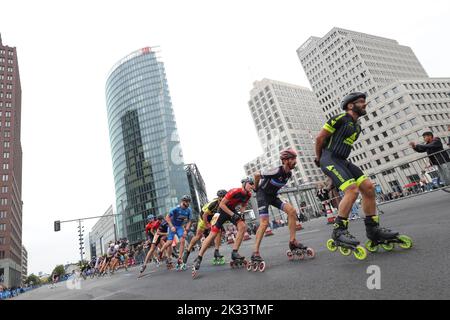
[
  {"x": 249, "y": 180},
  {"x": 352, "y": 97},
  {"x": 221, "y": 193},
  {"x": 186, "y": 198}
]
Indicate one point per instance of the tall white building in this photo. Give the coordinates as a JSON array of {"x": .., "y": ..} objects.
[
  {"x": 285, "y": 115},
  {"x": 102, "y": 233},
  {"x": 403, "y": 101}
]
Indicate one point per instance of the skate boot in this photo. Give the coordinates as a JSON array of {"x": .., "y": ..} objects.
[
  {"x": 180, "y": 266},
  {"x": 237, "y": 260},
  {"x": 256, "y": 263},
  {"x": 169, "y": 264},
  {"x": 196, "y": 266},
  {"x": 343, "y": 240},
  {"x": 383, "y": 236},
  {"x": 218, "y": 258},
  {"x": 186, "y": 256},
  {"x": 296, "y": 249},
  {"x": 141, "y": 272}
]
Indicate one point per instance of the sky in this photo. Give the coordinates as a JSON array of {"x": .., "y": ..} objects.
[{"x": 213, "y": 52}]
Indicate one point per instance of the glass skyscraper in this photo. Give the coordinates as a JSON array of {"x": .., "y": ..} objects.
[{"x": 148, "y": 166}]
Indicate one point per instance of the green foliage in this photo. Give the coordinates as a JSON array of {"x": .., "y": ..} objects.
[{"x": 32, "y": 279}]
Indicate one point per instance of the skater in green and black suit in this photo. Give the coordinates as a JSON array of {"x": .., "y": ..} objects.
[{"x": 333, "y": 146}]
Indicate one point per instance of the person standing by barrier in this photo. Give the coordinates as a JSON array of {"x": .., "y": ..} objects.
[{"x": 438, "y": 157}]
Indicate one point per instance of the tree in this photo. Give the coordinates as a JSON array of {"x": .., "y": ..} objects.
[
  {"x": 59, "y": 270},
  {"x": 33, "y": 280}
]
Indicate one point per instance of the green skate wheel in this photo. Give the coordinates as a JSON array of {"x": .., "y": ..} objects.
[
  {"x": 360, "y": 253},
  {"x": 345, "y": 251},
  {"x": 407, "y": 242},
  {"x": 387, "y": 246},
  {"x": 222, "y": 260},
  {"x": 371, "y": 247},
  {"x": 214, "y": 262},
  {"x": 330, "y": 245}
]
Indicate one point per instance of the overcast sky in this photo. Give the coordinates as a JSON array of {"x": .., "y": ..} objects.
[{"x": 212, "y": 50}]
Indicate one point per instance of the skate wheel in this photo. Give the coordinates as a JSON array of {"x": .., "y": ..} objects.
[
  {"x": 310, "y": 252},
  {"x": 255, "y": 267},
  {"x": 289, "y": 255},
  {"x": 371, "y": 246},
  {"x": 300, "y": 256},
  {"x": 407, "y": 242},
  {"x": 387, "y": 246},
  {"x": 231, "y": 264},
  {"x": 360, "y": 253},
  {"x": 345, "y": 251},
  {"x": 331, "y": 245},
  {"x": 222, "y": 261},
  {"x": 249, "y": 267},
  {"x": 262, "y": 266}
]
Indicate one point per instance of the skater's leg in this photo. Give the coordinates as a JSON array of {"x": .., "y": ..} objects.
[
  {"x": 368, "y": 197},
  {"x": 242, "y": 227},
  {"x": 198, "y": 236},
  {"x": 350, "y": 195},
  {"x": 263, "y": 224},
  {"x": 205, "y": 245},
  {"x": 217, "y": 240},
  {"x": 292, "y": 219}
]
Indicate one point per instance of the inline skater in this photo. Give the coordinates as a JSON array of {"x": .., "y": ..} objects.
[
  {"x": 160, "y": 236},
  {"x": 179, "y": 220},
  {"x": 204, "y": 224},
  {"x": 333, "y": 146},
  {"x": 228, "y": 212},
  {"x": 267, "y": 186}
]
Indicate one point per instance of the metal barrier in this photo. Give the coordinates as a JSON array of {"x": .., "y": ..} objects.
[{"x": 427, "y": 173}]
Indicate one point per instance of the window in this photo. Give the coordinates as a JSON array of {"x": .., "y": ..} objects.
[
  {"x": 401, "y": 100},
  {"x": 6, "y": 155},
  {"x": 2, "y": 253},
  {"x": 378, "y": 162},
  {"x": 396, "y": 155},
  {"x": 5, "y": 177},
  {"x": 2, "y": 228},
  {"x": 4, "y": 189},
  {"x": 2, "y": 214},
  {"x": 2, "y": 240},
  {"x": 381, "y": 148},
  {"x": 387, "y": 159}
]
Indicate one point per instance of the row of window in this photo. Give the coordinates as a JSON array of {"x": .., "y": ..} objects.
[
  {"x": 9, "y": 69},
  {"x": 8, "y": 77},
  {"x": 3, "y": 52},
  {"x": 5, "y": 104},
  {"x": 7, "y": 95},
  {"x": 10, "y": 61}
]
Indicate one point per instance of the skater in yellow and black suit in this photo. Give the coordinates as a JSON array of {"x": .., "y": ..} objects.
[
  {"x": 204, "y": 223},
  {"x": 333, "y": 146}
]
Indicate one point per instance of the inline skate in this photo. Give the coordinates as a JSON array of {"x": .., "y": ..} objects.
[
  {"x": 237, "y": 260},
  {"x": 186, "y": 256},
  {"x": 346, "y": 242},
  {"x": 218, "y": 258},
  {"x": 256, "y": 263},
  {"x": 296, "y": 249},
  {"x": 196, "y": 266},
  {"x": 169, "y": 264},
  {"x": 180, "y": 266},
  {"x": 383, "y": 236}
]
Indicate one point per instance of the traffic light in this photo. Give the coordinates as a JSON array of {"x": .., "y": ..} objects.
[{"x": 57, "y": 225}]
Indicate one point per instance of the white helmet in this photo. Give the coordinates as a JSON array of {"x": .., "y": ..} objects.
[
  {"x": 116, "y": 247},
  {"x": 111, "y": 245}
]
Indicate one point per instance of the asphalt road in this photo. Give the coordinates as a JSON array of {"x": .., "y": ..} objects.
[{"x": 418, "y": 273}]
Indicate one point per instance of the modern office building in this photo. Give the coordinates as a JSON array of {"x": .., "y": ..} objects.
[
  {"x": 403, "y": 101},
  {"x": 286, "y": 116},
  {"x": 11, "y": 168},
  {"x": 147, "y": 161},
  {"x": 197, "y": 189},
  {"x": 103, "y": 232},
  {"x": 24, "y": 264}
]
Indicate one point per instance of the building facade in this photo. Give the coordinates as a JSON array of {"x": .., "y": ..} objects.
[
  {"x": 102, "y": 233},
  {"x": 147, "y": 161},
  {"x": 197, "y": 189},
  {"x": 403, "y": 101},
  {"x": 286, "y": 116},
  {"x": 11, "y": 168},
  {"x": 24, "y": 264}
]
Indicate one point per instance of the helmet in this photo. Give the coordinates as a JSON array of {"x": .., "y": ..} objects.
[
  {"x": 249, "y": 180},
  {"x": 352, "y": 97},
  {"x": 186, "y": 198},
  {"x": 111, "y": 245},
  {"x": 150, "y": 217},
  {"x": 221, "y": 193},
  {"x": 288, "y": 154}
]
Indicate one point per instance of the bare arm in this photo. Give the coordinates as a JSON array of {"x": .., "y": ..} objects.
[
  {"x": 223, "y": 206},
  {"x": 257, "y": 178},
  {"x": 320, "y": 140}
]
